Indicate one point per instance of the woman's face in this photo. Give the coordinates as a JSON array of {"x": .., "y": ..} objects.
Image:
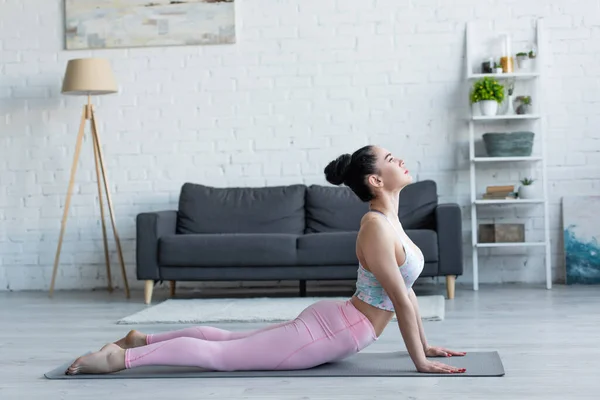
[{"x": 392, "y": 171}]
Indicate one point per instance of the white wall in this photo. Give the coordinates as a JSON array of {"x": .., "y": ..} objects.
[{"x": 306, "y": 81}]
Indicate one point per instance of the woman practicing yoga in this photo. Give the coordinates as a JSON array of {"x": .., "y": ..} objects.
[{"x": 329, "y": 330}]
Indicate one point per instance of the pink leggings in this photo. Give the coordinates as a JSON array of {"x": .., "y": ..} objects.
[{"x": 326, "y": 331}]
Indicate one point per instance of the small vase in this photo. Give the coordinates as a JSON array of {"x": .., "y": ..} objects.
[
  {"x": 489, "y": 108},
  {"x": 507, "y": 64},
  {"x": 527, "y": 192},
  {"x": 510, "y": 110}
]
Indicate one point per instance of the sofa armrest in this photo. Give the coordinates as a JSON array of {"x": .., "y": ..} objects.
[
  {"x": 150, "y": 226},
  {"x": 449, "y": 230}
]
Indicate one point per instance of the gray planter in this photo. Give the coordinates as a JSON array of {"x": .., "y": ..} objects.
[
  {"x": 515, "y": 144},
  {"x": 523, "y": 109}
]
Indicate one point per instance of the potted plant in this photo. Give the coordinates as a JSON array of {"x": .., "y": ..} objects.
[
  {"x": 488, "y": 93},
  {"x": 498, "y": 68},
  {"x": 525, "y": 106},
  {"x": 527, "y": 190},
  {"x": 475, "y": 107},
  {"x": 523, "y": 61}
]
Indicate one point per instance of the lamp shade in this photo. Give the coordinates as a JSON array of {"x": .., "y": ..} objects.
[{"x": 89, "y": 76}]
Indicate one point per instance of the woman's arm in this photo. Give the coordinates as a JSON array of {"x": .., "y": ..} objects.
[
  {"x": 377, "y": 246},
  {"x": 415, "y": 304},
  {"x": 429, "y": 350}
]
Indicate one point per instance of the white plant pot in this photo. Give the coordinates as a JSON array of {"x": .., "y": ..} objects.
[
  {"x": 528, "y": 192},
  {"x": 489, "y": 108},
  {"x": 476, "y": 109},
  {"x": 498, "y": 70},
  {"x": 524, "y": 63}
]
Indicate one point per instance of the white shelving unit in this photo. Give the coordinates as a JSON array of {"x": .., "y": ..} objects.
[
  {"x": 537, "y": 121},
  {"x": 505, "y": 117}
]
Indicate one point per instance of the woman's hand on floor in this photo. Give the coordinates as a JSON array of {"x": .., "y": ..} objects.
[
  {"x": 439, "y": 368},
  {"x": 432, "y": 351}
]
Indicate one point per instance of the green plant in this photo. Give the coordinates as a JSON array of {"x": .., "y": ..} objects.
[
  {"x": 522, "y": 54},
  {"x": 487, "y": 89},
  {"x": 531, "y": 54},
  {"x": 527, "y": 181},
  {"x": 524, "y": 99}
]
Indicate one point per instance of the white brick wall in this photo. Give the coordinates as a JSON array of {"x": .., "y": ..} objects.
[{"x": 305, "y": 82}]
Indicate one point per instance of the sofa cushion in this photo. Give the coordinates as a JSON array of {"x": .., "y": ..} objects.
[
  {"x": 430, "y": 269},
  {"x": 427, "y": 241},
  {"x": 276, "y": 209},
  {"x": 339, "y": 248},
  {"x": 416, "y": 208},
  {"x": 333, "y": 209},
  {"x": 228, "y": 250},
  {"x": 327, "y": 248}
]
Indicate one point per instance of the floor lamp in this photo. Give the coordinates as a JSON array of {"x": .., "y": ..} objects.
[{"x": 90, "y": 77}]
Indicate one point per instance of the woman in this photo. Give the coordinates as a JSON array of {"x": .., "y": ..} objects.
[{"x": 329, "y": 330}]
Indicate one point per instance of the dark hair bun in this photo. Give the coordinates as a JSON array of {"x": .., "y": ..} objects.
[{"x": 337, "y": 170}]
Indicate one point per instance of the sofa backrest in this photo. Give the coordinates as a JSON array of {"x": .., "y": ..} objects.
[
  {"x": 333, "y": 209},
  {"x": 417, "y": 205},
  {"x": 294, "y": 209},
  {"x": 276, "y": 209}
]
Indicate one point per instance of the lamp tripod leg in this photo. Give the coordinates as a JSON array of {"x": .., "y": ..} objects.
[
  {"x": 68, "y": 199},
  {"x": 106, "y": 257},
  {"x": 108, "y": 199}
]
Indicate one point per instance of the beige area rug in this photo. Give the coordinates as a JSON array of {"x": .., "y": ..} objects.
[{"x": 258, "y": 309}]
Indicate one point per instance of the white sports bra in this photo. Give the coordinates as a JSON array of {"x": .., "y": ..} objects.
[{"x": 368, "y": 288}]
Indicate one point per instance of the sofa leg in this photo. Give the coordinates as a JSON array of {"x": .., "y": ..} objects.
[
  {"x": 172, "y": 286},
  {"x": 148, "y": 291},
  {"x": 450, "y": 280},
  {"x": 302, "y": 288}
]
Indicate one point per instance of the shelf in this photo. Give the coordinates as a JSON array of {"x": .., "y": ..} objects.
[
  {"x": 501, "y": 159},
  {"x": 515, "y": 75},
  {"x": 476, "y": 50},
  {"x": 500, "y": 201},
  {"x": 515, "y": 244},
  {"x": 505, "y": 117}
]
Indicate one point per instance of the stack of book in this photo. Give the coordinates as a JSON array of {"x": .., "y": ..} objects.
[{"x": 500, "y": 193}]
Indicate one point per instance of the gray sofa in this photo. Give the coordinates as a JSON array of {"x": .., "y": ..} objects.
[{"x": 294, "y": 232}]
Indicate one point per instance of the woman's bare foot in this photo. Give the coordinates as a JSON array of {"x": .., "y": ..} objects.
[
  {"x": 132, "y": 339},
  {"x": 111, "y": 358}
]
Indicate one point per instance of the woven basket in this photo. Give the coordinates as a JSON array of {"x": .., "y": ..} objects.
[{"x": 514, "y": 144}]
